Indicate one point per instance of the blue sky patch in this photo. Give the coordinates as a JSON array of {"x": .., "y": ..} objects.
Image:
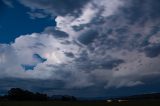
[{"x": 15, "y": 22}]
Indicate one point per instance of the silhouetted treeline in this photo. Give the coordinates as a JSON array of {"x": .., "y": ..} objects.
[
  {"x": 19, "y": 94},
  {"x": 22, "y": 95}
]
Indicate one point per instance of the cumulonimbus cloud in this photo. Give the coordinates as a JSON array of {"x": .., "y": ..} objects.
[{"x": 111, "y": 45}]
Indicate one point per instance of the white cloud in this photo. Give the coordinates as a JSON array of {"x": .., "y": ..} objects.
[
  {"x": 105, "y": 8},
  {"x": 88, "y": 13},
  {"x": 22, "y": 51},
  {"x": 10, "y": 66},
  {"x": 109, "y": 7}
]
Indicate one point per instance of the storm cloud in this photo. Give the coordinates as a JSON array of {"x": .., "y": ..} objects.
[{"x": 94, "y": 45}]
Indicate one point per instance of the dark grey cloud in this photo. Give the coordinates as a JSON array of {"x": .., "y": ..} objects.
[
  {"x": 141, "y": 10},
  {"x": 110, "y": 64},
  {"x": 121, "y": 29},
  {"x": 155, "y": 30},
  {"x": 69, "y": 54},
  {"x": 87, "y": 63},
  {"x": 56, "y": 7},
  {"x": 56, "y": 88},
  {"x": 102, "y": 64},
  {"x": 88, "y": 37},
  {"x": 153, "y": 51},
  {"x": 55, "y": 33},
  {"x": 30, "y": 84}
]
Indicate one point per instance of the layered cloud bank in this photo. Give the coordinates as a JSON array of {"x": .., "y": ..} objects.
[{"x": 94, "y": 44}]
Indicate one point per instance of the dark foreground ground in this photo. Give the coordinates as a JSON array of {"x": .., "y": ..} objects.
[{"x": 58, "y": 103}]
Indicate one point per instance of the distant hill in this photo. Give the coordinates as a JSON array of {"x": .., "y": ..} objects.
[
  {"x": 63, "y": 97},
  {"x": 151, "y": 96}
]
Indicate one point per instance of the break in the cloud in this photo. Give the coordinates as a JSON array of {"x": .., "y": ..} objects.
[{"x": 95, "y": 43}]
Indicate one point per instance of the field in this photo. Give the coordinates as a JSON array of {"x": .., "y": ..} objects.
[{"x": 58, "y": 103}]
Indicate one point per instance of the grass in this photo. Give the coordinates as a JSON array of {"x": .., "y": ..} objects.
[{"x": 59, "y": 103}]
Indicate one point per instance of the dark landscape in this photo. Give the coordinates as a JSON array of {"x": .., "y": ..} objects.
[{"x": 20, "y": 97}]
